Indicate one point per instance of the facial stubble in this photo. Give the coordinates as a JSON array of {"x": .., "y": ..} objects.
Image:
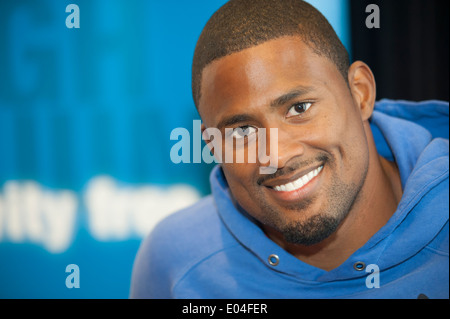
[{"x": 340, "y": 198}]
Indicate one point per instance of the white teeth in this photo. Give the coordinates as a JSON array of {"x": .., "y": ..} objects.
[
  {"x": 298, "y": 183},
  {"x": 290, "y": 187},
  {"x": 305, "y": 179}
]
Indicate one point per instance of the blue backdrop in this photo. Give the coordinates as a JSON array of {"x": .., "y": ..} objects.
[{"x": 85, "y": 119}]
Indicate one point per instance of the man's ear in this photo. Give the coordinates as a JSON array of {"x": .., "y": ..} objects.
[
  {"x": 206, "y": 138},
  {"x": 213, "y": 139},
  {"x": 363, "y": 88}
]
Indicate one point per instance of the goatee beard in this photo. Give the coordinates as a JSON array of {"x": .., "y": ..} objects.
[
  {"x": 341, "y": 197},
  {"x": 312, "y": 231}
]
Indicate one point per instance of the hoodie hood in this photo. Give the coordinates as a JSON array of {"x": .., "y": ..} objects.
[{"x": 415, "y": 135}]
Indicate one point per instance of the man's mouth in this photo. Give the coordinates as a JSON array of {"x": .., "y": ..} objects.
[{"x": 299, "y": 182}]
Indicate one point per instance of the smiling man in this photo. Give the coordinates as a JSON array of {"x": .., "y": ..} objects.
[
  {"x": 357, "y": 183},
  {"x": 328, "y": 167}
]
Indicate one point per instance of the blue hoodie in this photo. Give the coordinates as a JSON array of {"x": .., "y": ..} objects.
[{"x": 211, "y": 250}]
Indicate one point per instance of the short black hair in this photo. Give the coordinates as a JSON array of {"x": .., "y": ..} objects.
[{"x": 241, "y": 24}]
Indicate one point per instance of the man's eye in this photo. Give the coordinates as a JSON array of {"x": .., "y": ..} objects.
[
  {"x": 298, "y": 109},
  {"x": 243, "y": 131}
]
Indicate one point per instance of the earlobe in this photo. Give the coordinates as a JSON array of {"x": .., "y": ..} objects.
[
  {"x": 206, "y": 137},
  {"x": 363, "y": 88},
  {"x": 203, "y": 128}
]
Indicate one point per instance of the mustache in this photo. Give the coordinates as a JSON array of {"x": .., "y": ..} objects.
[{"x": 295, "y": 165}]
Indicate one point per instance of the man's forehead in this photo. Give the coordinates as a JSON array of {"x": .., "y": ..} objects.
[
  {"x": 258, "y": 54},
  {"x": 276, "y": 65}
]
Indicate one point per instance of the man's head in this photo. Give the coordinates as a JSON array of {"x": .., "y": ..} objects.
[
  {"x": 242, "y": 24},
  {"x": 254, "y": 76}
]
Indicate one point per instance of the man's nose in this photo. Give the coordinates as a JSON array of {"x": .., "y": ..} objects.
[
  {"x": 289, "y": 147},
  {"x": 284, "y": 145}
]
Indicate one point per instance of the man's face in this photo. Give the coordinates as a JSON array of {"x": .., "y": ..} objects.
[{"x": 322, "y": 147}]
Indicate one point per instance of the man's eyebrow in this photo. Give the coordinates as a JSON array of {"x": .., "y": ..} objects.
[
  {"x": 238, "y": 118},
  {"x": 298, "y": 91},
  {"x": 234, "y": 119}
]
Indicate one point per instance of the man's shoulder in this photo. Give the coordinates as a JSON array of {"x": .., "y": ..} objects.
[
  {"x": 176, "y": 244},
  {"x": 189, "y": 228},
  {"x": 433, "y": 115}
]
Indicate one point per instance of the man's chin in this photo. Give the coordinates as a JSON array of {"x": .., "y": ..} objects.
[{"x": 311, "y": 231}]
